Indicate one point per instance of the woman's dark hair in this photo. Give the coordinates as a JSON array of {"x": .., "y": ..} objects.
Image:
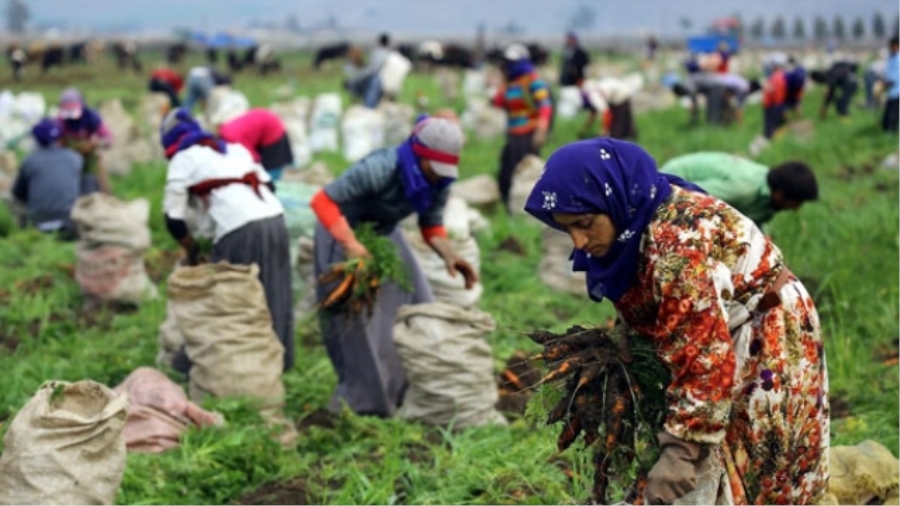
[{"x": 795, "y": 180}]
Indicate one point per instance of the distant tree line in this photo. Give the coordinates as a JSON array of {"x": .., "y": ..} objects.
[{"x": 821, "y": 29}]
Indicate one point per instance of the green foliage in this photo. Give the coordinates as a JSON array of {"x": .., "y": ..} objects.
[{"x": 386, "y": 264}]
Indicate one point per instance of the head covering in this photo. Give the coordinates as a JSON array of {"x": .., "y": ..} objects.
[
  {"x": 604, "y": 176},
  {"x": 516, "y": 52},
  {"x": 71, "y": 104},
  {"x": 517, "y": 61},
  {"x": 47, "y": 131},
  {"x": 180, "y": 131},
  {"x": 438, "y": 140}
]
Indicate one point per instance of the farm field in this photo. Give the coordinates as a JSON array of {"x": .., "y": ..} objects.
[{"x": 845, "y": 247}]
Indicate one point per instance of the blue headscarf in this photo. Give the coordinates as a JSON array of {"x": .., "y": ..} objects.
[
  {"x": 184, "y": 133},
  {"x": 89, "y": 121},
  {"x": 47, "y": 131},
  {"x": 604, "y": 176},
  {"x": 419, "y": 192},
  {"x": 518, "y": 68}
]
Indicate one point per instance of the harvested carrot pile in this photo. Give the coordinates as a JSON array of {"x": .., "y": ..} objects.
[
  {"x": 358, "y": 281},
  {"x": 614, "y": 399}
]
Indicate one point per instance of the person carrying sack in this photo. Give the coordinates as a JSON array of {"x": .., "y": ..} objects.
[{"x": 215, "y": 190}]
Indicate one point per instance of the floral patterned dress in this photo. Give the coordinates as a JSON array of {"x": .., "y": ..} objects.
[{"x": 749, "y": 379}]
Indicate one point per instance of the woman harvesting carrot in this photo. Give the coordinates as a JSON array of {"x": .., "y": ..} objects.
[
  {"x": 382, "y": 189},
  {"x": 738, "y": 332}
]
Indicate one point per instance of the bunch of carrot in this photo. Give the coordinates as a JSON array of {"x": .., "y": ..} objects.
[
  {"x": 604, "y": 401},
  {"x": 360, "y": 280}
]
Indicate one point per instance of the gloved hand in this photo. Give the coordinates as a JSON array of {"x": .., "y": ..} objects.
[
  {"x": 674, "y": 473},
  {"x": 539, "y": 138}
]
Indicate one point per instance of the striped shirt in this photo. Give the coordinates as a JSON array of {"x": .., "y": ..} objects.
[{"x": 525, "y": 112}]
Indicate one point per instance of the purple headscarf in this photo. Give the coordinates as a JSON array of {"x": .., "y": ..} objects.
[
  {"x": 518, "y": 68},
  {"x": 604, "y": 176}
]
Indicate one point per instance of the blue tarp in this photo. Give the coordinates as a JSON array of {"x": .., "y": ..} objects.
[
  {"x": 710, "y": 43},
  {"x": 222, "y": 40}
]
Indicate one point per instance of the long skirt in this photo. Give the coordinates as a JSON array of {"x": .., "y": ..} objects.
[
  {"x": 361, "y": 348},
  {"x": 265, "y": 242}
]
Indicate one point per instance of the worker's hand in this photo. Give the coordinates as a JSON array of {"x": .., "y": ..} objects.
[
  {"x": 355, "y": 249},
  {"x": 458, "y": 265},
  {"x": 539, "y": 138},
  {"x": 674, "y": 475}
]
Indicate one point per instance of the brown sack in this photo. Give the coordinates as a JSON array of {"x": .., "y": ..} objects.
[
  {"x": 159, "y": 412},
  {"x": 65, "y": 446},
  {"x": 221, "y": 312}
]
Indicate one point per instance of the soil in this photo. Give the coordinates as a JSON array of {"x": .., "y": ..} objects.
[
  {"x": 839, "y": 406},
  {"x": 888, "y": 354},
  {"x": 512, "y": 245},
  {"x": 318, "y": 418},
  {"x": 287, "y": 492}
]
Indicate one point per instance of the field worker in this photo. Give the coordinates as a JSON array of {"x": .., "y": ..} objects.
[
  {"x": 774, "y": 94},
  {"x": 364, "y": 80},
  {"x": 167, "y": 81},
  {"x": 574, "y": 62},
  {"x": 49, "y": 181},
  {"x": 840, "y": 76},
  {"x": 795, "y": 80},
  {"x": 724, "y": 54},
  {"x": 526, "y": 100},
  {"x": 199, "y": 85},
  {"x": 753, "y": 189},
  {"x": 263, "y": 134},
  {"x": 17, "y": 58},
  {"x": 216, "y": 191},
  {"x": 610, "y": 98},
  {"x": 738, "y": 332},
  {"x": 83, "y": 131},
  {"x": 889, "y": 120},
  {"x": 384, "y": 188}
]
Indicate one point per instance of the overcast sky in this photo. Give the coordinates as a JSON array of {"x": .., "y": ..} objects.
[{"x": 538, "y": 17}]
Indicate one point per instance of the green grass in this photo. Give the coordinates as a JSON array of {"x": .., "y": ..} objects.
[{"x": 848, "y": 242}]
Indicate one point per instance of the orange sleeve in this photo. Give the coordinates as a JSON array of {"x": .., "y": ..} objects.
[
  {"x": 429, "y": 233},
  {"x": 327, "y": 210}
]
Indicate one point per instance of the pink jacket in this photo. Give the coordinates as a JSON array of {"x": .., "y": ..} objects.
[{"x": 254, "y": 129}]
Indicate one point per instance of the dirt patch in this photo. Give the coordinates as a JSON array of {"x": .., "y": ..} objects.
[
  {"x": 888, "y": 354},
  {"x": 839, "y": 406},
  {"x": 318, "y": 418},
  {"x": 512, "y": 245},
  {"x": 516, "y": 384},
  {"x": 418, "y": 453},
  {"x": 160, "y": 263},
  {"x": 284, "y": 492},
  {"x": 29, "y": 286}
]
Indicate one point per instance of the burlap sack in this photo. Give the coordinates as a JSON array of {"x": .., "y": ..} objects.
[
  {"x": 867, "y": 473},
  {"x": 170, "y": 338},
  {"x": 158, "y": 412},
  {"x": 555, "y": 269},
  {"x": 106, "y": 220},
  {"x": 449, "y": 365},
  {"x": 447, "y": 288},
  {"x": 112, "y": 273},
  {"x": 221, "y": 311},
  {"x": 65, "y": 446},
  {"x": 524, "y": 178},
  {"x": 304, "y": 272},
  {"x": 477, "y": 191}
]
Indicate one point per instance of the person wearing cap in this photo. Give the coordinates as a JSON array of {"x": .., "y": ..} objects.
[
  {"x": 263, "y": 134},
  {"x": 49, "y": 181},
  {"x": 214, "y": 190},
  {"x": 383, "y": 189},
  {"x": 774, "y": 95},
  {"x": 169, "y": 82},
  {"x": 840, "y": 76},
  {"x": 755, "y": 190},
  {"x": 526, "y": 99},
  {"x": 199, "y": 85},
  {"x": 84, "y": 131}
]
